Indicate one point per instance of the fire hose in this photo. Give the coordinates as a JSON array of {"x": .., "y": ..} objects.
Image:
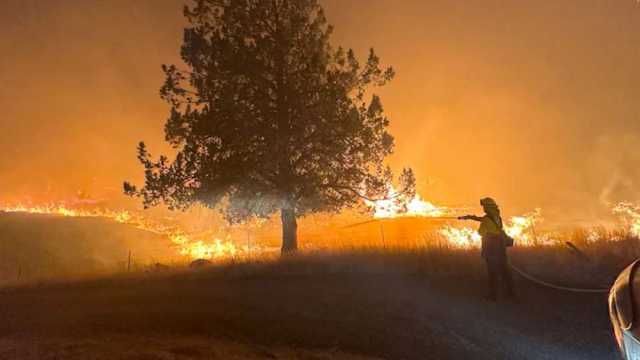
[
  {"x": 554, "y": 286},
  {"x": 521, "y": 272}
]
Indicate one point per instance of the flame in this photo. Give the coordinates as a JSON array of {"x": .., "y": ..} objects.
[
  {"x": 396, "y": 205},
  {"x": 520, "y": 228},
  {"x": 631, "y": 215},
  {"x": 190, "y": 245},
  {"x": 201, "y": 250},
  {"x": 464, "y": 238},
  {"x": 208, "y": 246},
  {"x": 594, "y": 236}
]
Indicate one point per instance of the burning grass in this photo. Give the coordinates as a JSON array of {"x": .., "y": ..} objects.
[
  {"x": 398, "y": 222},
  {"x": 194, "y": 245},
  {"x": 38, "y": 246}
]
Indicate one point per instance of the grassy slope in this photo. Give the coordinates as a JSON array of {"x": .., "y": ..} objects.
[{"x": 38, "y": 246}]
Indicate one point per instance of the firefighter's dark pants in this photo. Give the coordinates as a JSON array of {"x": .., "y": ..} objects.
[{"x": 499, "y": 271}]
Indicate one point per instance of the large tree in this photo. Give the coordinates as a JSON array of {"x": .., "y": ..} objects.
[{"x": 267, "y": 116}]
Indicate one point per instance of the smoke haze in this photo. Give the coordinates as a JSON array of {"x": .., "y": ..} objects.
[{"x": 532, "y": 102}]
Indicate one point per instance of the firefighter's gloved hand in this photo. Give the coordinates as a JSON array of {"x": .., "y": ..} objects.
[{"x": 466, "y": 217}]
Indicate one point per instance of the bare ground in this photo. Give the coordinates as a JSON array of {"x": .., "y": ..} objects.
[{"x": 299, "y": 310}]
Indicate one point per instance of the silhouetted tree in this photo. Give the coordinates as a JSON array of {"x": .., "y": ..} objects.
[{"x": 269, "y": 117}]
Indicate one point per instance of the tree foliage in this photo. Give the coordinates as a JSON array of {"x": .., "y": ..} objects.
[{"x": 268, "y": 116}]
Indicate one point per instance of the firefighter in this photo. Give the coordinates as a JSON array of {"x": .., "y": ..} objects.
[{"x": 494, "y": 248}]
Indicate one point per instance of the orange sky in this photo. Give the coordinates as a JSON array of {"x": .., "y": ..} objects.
[{"x": 533, "y": 102}]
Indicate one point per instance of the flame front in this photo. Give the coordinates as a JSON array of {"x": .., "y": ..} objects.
[
  {"x": 396, "y": 205},
  {"x": 631, "y": 215},
  {"x": 208, "y": 246},
  {"x": 464, "y": 238},
  {"x": 201, "y": 250},
  {"x": 520, "y": 228},
  {"x": 188, "y": 244}
]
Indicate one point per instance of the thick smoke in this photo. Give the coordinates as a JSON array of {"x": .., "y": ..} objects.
[{"x": 532, "y": 102}]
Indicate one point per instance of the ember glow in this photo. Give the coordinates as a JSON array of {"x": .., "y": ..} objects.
[{"x": 189, "y": 245}]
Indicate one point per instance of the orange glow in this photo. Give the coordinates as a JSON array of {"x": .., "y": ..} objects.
[
  {"x": 458, "y": 121},
  {"x": 189, "y": 245}
]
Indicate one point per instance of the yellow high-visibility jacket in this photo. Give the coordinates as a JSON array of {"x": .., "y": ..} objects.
[
  {"x": 493, "y": 247},
  {"x": 488, "y": 227}
]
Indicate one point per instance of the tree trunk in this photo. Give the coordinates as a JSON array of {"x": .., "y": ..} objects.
[{"x": 289, "y": 231}]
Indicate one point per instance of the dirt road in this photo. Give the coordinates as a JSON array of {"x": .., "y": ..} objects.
[{"x": 301, "y": 313}]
